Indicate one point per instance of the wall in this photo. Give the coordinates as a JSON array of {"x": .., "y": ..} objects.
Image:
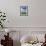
[
  {"x": 36, "y": 13},
  {"x": 35, "y": 21}
]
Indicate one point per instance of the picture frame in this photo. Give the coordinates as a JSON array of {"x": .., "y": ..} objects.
[{"x": 23, "y": 10}]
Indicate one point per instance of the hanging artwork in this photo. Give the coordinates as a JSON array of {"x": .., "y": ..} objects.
[{"x": 23, "y": 10}]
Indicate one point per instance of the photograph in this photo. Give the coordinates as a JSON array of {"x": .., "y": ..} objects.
[{"x": 23, "y": 10}]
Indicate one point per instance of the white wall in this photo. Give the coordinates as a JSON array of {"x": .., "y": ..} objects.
[
  {"x": 36, "y": 13},
  {"x": 35, "y": 21}
]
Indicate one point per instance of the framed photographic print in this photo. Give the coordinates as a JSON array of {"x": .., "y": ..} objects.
[{"x": 23, "y": 10}]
